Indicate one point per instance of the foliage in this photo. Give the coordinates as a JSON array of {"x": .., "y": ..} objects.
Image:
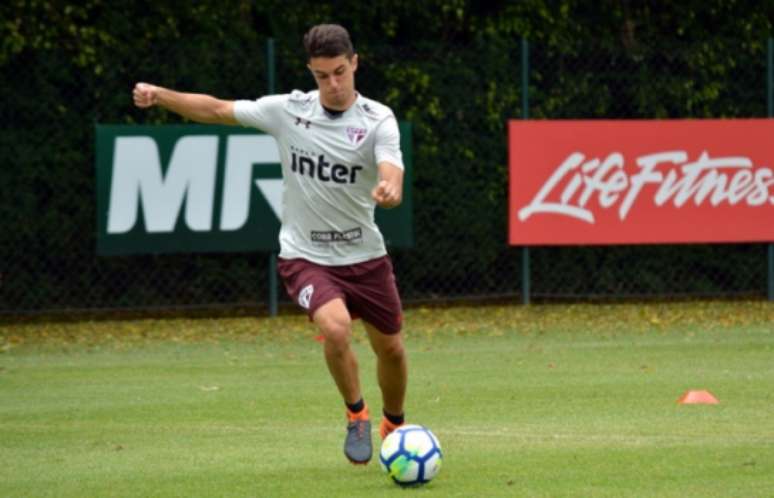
[{"x": 450, "y": 67}]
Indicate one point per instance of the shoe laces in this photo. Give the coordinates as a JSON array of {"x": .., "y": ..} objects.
[{"x": 359, "y": 427}]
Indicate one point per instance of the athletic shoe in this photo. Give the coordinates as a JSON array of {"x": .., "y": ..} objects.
[
  {"x": 357, "y": 445},
  {"x": 386, "y": 427}
]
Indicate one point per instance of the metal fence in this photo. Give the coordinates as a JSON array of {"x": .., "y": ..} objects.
[{"x": 458, "y": 99}]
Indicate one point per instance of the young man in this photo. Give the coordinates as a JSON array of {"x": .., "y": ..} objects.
[{"x": 341, "y": 157}]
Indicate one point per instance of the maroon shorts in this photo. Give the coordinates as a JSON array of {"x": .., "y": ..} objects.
[{"x": 368, "y": 289}]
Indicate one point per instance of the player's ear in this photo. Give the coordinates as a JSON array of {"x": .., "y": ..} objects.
[
  {"x": 353, "y": 61},
  {"x": 311, "y": 71}
]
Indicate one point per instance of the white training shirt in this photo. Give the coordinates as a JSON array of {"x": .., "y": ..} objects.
[{"x": 329, "y": 168}]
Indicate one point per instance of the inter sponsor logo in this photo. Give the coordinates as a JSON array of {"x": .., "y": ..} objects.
[{"x": 323, "y": 170}]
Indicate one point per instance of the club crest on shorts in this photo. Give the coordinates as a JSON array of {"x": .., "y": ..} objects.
[
  {"x": 355, "y": 135},
  {"x": 305, "y": 296}
]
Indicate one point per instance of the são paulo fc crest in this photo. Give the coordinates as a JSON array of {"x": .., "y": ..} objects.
[
  {"x": 305, "y": 296},
  {"x": 355, "y": 135}
]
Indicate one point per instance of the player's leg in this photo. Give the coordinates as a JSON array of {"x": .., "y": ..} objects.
[
  {"x": 374, "y": 297},
  {"x": 392, "y": 374},
  {"x": 314, "y": 289},
  {"x": 335, "y": 324}
]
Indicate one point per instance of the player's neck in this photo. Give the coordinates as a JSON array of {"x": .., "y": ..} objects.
[{"x": 341, "y": 108}]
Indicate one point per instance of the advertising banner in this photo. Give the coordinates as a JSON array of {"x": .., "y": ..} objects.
[
  {"x": 202, "y": 188},
  {"x": 641, "y": 181}
]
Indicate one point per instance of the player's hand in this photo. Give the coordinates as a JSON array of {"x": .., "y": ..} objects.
[
  {"x": 386, "y": 195},
  {"x": 145, "y": 95}
]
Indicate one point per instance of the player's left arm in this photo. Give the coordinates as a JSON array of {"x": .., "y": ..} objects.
[{"x": 388, "y": 192}]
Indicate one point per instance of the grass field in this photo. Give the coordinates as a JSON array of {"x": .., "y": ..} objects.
[{"x": 545, "y": 400}]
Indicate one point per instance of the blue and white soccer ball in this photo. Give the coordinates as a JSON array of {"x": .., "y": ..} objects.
[{"x": 411, "y": 455}]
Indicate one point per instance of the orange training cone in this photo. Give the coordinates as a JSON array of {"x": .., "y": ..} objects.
[{"x": 697, "y": 398}]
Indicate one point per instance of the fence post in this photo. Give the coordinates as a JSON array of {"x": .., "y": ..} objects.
[
  {"x": 271, "y": 88},
  {"x": 770, "y": 102},
  {"x": 525, "y": 260}
]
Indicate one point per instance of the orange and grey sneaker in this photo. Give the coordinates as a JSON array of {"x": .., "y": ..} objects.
[
  {"x": 357, "y": 445},
  {"x": 386, "y": 427}
]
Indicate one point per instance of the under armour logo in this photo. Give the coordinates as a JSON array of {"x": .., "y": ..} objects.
[{"x": 304, "y": 122}]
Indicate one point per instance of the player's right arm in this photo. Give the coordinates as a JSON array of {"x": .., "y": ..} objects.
[{"x": 194, "y": 106}]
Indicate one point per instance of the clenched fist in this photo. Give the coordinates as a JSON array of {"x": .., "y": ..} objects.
[
  {"x": 386, "y": 195},
  {"x": 145, "y": 95}
]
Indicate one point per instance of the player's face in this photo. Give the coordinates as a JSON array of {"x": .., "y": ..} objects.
[{"x": 335, "y": 78}]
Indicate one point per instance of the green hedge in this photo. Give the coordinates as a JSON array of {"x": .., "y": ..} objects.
[{"x": 452, "y": 68}]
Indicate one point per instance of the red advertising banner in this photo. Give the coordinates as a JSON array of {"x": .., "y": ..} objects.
[{"x": 641, "y": 182}]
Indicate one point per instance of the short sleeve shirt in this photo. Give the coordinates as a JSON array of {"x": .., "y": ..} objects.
[{"x": 329, "y": 168}]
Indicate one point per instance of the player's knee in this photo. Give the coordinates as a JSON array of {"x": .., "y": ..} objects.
[
  {"x": 392, "y": 351},
  {"x": 337, "y": 333}
]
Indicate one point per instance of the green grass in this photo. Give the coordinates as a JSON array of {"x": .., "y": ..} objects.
[{"x": 544, "y": 401}]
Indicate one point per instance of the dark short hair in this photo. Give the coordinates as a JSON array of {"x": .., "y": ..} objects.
[{"x": 328, "y": 40}]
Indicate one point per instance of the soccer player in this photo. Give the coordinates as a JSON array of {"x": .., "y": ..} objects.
[{"x": 340, "y": 154}]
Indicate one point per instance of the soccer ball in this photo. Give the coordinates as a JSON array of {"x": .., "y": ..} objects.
[{"x": 411, "y": 455}]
